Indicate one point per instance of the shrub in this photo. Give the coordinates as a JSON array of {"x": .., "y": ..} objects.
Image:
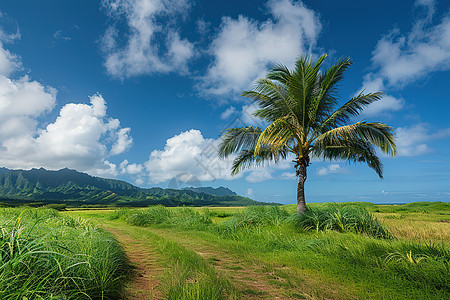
[
  {"x": 45, "y": 256},
  {"x": 342, "y": 218},
  {"x": 180, "y": 216}
]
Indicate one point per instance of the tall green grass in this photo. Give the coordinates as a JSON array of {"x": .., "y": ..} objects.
[
  {"x": 421, "y": 207},
  {"x": 344, "y": 241},
  {"x": 184, "y": 217},
  {"x": 342, "y": 218},
  {"x": 191, "y": 278},
  {"x": 186, "y": 276},
  {"x": 46, "y": 256}
]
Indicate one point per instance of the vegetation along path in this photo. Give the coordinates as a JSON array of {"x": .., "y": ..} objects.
[
  {"x": 265, "y": 252},
  {"x": 248, "y": 279},
  {"x": 146, "y": 263}
]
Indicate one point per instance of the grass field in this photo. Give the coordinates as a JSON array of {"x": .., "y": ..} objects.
[
  {"x": 338, "y": 251},
  {"x": 44, "y": 255}
]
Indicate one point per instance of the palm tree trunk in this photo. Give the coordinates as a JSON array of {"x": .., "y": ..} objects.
[{"x": 301, "y": 204}]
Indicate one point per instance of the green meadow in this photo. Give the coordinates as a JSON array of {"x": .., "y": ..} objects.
[
  {"x": 46, "y": 255},
  {"x": 333, "y": 251}
]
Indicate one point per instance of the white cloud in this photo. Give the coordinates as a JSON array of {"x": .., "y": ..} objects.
[
  {"x": 259, "y": 175},
  {"x": 8, "y": 62},
  {"x": 21, "y": 102},
  {"x": 412, "y": 141},
  {"x": 244, "y": 117},
  {"x": 388, "y": 103},
  {"x": 228, "y": 112},
  {"x": 74, "y": 140},
  {"x": 79, "y": 138},
  {"x": 330, "y": 169},
  {"x": 58, "y": 35},
  {"x": 202, "y": 26},
  {"x": 123, "y": 142},
  {"x": 247, "y": 114},
  {"x": 191, "y": 154},
  {"x": 149, "y": 47},
  {"x": 288, "y": 175},
  {"x": 180, "y": 51},
  {"x": 404, "y": 58},
  {"x": 131, "y": 169},
  {"x": 244, "y": 48}
]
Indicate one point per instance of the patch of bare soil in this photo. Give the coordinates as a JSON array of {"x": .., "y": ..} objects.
[{"x": 146, "y": 267}]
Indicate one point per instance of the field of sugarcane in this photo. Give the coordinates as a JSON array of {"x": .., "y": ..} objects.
[{"x": 333, "y": 251}]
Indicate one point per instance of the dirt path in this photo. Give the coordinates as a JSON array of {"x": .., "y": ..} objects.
[
  {"x": 146, "y": 264},
  {"x": 253, "y": 280}
]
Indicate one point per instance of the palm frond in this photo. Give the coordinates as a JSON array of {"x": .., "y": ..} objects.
[
  {"x": 377, "y": 134},
  {"x": 303, "y": 88},
  {"x": 356, "y": 151},
  {"x": 247, "y": 159},
  {"x": 279, "y": 73},
  {"x": 272, "y": 98},
  {"x": 352, "y": 108},
  {"x": 236, "y": 139},
  {"x": 327, "y": 98},
  {"x": 276, "y": 136}
]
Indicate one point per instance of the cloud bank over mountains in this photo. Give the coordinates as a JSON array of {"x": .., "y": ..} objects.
[{"x": 82, "y": 137}]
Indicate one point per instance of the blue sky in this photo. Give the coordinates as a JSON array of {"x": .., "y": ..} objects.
[{"x": 140, "y": 90}]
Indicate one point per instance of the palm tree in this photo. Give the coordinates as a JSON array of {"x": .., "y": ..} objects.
[{"x": 299, "y": 106}]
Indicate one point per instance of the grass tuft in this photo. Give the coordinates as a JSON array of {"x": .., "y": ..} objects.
[
  {"x": 342, "y": 218},
  {"x": 45, "y": 256}
]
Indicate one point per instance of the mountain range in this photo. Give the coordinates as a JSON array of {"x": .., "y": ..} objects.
[{"x": 75, "y": 188}]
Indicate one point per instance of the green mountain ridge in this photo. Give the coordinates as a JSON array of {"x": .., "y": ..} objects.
[{"x": 75, "y": 188}]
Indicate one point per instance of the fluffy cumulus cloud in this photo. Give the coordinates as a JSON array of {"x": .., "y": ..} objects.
[
  {"x": 123, "y": 142},
  {"x": 76, "y": 139},
  {"x": 228, "y": 113},
  {"x": 21, "y": 102},
  {"x": 244, "y": 48},
  {"x": 189, "y": 156},
  {"x": 132, "y": 169},
  {"x": 388, "y": 103},
  {"x": 188, "y": 153},
  {"x": 147, "y": 47},
  {"x": 330, "y": 169},
  {"x": 403, "y": 58},
  {"x": 413, "y": 141},
  {"x": 288, "y": 175},
  {"x": 79, "y": 138},
  {"x": 259, "y": 175},
  {"x": 9, "y": 62}
]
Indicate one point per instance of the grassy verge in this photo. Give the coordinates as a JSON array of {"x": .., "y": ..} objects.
[
  {"x": 187, "y": 275},
  {"x": 47, "y": 256},
  {"x": 336, "y": 243}
]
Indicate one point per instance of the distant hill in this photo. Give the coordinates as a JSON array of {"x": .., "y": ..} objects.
[
  {"x": 76, "y": 188},
  {"x": 220, "y": 191}
]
